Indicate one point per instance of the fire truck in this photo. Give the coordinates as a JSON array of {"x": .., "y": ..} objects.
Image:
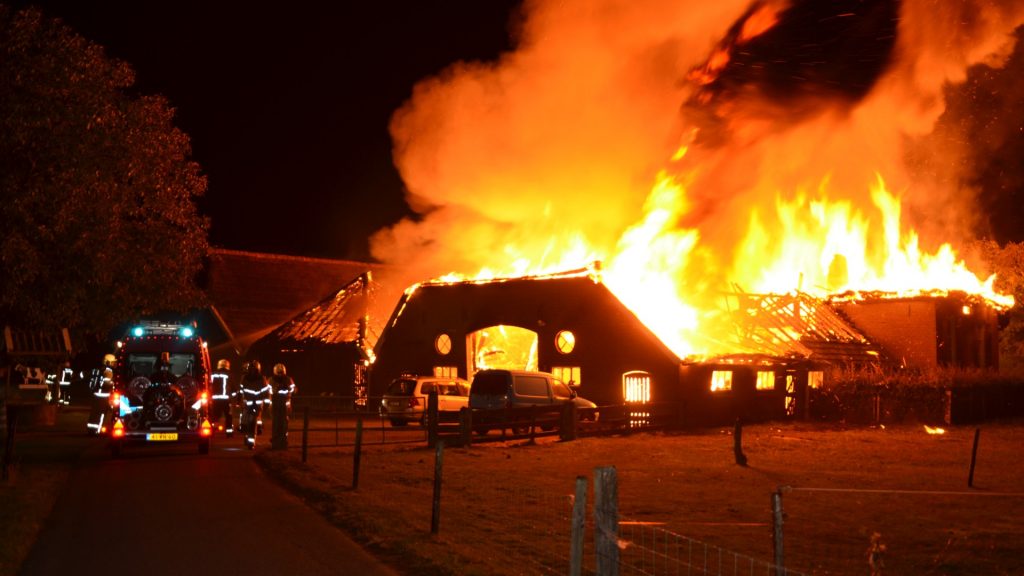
[{"x": 161, "y": 388}]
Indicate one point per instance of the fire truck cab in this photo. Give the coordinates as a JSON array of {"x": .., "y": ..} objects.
[{"x": 161, "y": 388}]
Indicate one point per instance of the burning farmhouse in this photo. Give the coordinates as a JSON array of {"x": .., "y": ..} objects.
[
  {"x": 774, "y": 188},
  {"x": 572, "y": 325}
]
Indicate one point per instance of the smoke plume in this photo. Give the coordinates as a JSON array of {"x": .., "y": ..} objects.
[{"x": 555, "y": 147}]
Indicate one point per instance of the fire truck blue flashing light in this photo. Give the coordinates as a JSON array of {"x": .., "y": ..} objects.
[
  {"x": 138, "y": 331},
  {"x": 186, "y": 332}
]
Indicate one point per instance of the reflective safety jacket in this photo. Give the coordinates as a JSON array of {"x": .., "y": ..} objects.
[
  {"x": 283, "y": 387},
  {"x": 106, "y": 386},
  {"x": 255, "y": 390},
  {"x": 222, "y": 387}
]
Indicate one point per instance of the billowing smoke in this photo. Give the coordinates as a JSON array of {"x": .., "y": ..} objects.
[{"x": 558, "y": 143}]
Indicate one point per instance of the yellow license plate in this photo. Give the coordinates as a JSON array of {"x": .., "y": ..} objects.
[{"x": 162, "y": 436}]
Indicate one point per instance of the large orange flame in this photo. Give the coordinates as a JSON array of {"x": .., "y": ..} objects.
[{"x": 565, "y": 152}]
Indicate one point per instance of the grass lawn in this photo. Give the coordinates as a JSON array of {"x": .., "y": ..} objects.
[
  {"x": 40, "y": 469},
  {"x": 505, "y": 506}
]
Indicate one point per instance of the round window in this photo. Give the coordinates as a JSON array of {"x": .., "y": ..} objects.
[
  {"x": 443, "y": 344},
  {"x": 565, "y": 341}
]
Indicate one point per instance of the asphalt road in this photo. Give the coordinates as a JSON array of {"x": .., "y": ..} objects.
[{"x": 167, "y": 510}]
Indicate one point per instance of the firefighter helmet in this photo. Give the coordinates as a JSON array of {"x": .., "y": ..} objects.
[
  {"x": 279, "y": 370},
  {"x": 223, "y": 364},
  {"x": 109, "y": 360}
]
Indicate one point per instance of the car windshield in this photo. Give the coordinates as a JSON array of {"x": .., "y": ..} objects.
[
  {"x": 401, "y": 387},
  {"x": 145, "y": 363},
  {"x": 492, "y": 384}
]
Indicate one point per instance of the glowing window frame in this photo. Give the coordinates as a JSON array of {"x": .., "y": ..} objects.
[
  {"x": 721, "y": 381},
  {"x": 765, "y": 380},
  {"x": 443, "y": 344},
  {"x": 567, "y": 374},
  {"x": 636, "y": 386},
  {"x": 565, "y": 341},
  {"x": 815, "y": 378}
]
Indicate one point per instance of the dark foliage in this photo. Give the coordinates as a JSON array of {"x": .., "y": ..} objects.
[{"x": 97, "y": 188}]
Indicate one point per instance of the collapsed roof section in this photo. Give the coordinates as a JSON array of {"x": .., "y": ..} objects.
[
  {"x": 349, "y": 316},
  {"x": 797, "y": 324},
  {"x": 252, "y": 293}
]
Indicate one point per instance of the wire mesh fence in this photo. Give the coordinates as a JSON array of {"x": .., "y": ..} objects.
[
  {"x": 653, "y": 550},
  {"x": 907, "y": 531}
]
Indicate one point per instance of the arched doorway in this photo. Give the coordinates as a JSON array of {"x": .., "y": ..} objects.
[{"x": 501, "y": 346}]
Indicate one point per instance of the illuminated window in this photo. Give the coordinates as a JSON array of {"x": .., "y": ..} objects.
[
  {"x": 502, "y": 346},
  {"x": 790, "y": 395},
  {"x": 636, "y": 386},
  {"x": 443, "y": 344},
  {"x": 766, "y": 380},
  {"x": 568, "y": 374},
  {"x": 815, "y": 379},
  {"x": 565, "y": 341},
  {"x": 721, "y": 380},
  {"x": 446, "y": 371}
]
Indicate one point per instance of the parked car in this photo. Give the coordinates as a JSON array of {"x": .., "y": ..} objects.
[
  {"x": 406, "y": 397},
  {"x": 495, "y": 389}
]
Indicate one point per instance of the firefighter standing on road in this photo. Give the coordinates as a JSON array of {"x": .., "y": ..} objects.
[
  {"x": 64, "y": 384},
  {"x": 224, "y": 394},
  {"x": 255, "y": 393},
  {"x": 100, "y": 401},
  {"x": 283, "y": 387}
]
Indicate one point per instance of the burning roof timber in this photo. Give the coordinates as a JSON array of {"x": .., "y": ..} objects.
[
  {"x": 344, "y": 317},
  {"x": 797, "y": 325}
]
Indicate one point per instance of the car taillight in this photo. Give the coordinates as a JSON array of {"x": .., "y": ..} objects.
[
  {"x": 118, "y": 431},
  {"x": 205, "y": 429}
]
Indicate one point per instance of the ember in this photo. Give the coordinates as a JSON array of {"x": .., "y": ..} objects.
[{"x": 701, "y": 152}]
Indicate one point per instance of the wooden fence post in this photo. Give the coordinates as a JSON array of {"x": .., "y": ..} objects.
[
  {"x": 777, "y": 519},
  {"x": 579, "y": 520},
  {"x": 974, "y": 458},
  {"x": 305, "y": 433},
  {"x": 533, "y": 424},
  {"x": 435, "y": 515},
  {"x": 606, "y": 521},
  {"x": 431, "y": 417},
  {"x": 737, "y": 443},
  {"x": 567, "y": 430},
  {"x": 466, "y": 425},
  {"x": 357, "y": 456}
]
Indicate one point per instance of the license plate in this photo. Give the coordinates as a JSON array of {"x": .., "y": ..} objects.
[{"x": 162, "y": 436}]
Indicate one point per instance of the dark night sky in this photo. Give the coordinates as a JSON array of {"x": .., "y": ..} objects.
[{"x": 288, "y": 108}]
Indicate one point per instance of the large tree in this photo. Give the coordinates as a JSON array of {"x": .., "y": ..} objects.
[
  {"x": 97, "y": 186},
  {"x": 1007, "y": 261}
]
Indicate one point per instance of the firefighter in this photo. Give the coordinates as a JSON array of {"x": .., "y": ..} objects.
[
  {"x": 162, "y": 371},
  {"x": 224, "y": 394},
  {"x": 64, "y": 385},
  {"x": 100, "y": 402},
  {"x": 283, "y": 388},
  {"x": 255, "y": 392}
]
